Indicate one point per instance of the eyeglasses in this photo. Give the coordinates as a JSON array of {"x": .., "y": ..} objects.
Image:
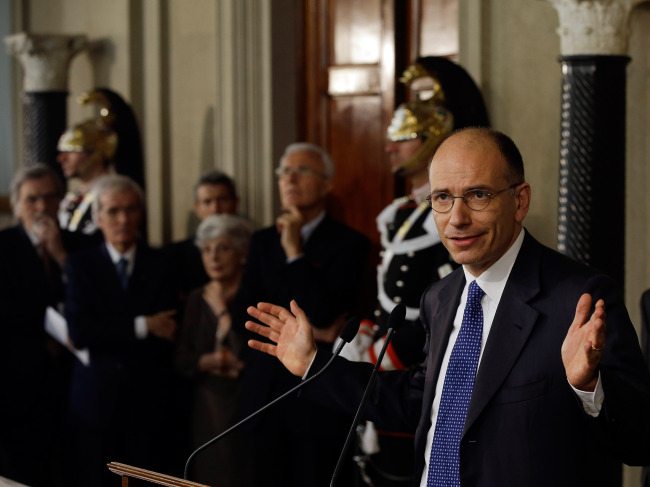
[
  {"x": 475, "y": 199},
  {"x": 300, "y": 171}
]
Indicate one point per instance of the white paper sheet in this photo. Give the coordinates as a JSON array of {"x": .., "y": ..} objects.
[{"x": 57, "y": 327}]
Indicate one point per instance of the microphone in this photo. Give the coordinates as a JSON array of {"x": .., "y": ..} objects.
[
  {"x": 349, "y": 331},
  {"x": 395, "y": 322}
]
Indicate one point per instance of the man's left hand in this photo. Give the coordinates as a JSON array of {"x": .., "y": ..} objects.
[{"x": 584, "y": 344}]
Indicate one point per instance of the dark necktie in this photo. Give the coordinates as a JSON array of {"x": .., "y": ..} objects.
[
  {"x": 122, "y": 275},
  {"x": 456, "y": 394}
]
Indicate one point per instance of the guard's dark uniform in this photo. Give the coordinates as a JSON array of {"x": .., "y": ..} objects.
[{"x": 412, "y": 258}]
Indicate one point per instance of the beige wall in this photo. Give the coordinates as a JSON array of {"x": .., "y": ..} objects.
[
  {"x": 511, "y": 48},
  {"x": 638, "y": 161}
]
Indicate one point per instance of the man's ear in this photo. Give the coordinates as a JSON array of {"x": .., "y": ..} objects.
[{"x": 523, "y": 202}]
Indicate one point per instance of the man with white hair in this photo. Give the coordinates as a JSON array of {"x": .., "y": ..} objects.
[
  {"x": 310, "y": 257},
  {"x": 120, "y": 306}
]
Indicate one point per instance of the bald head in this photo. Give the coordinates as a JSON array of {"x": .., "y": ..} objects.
[{"x": 477, "y": 137}]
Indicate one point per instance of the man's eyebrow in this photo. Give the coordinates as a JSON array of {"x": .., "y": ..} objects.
[{"x": 479, "y": 187}]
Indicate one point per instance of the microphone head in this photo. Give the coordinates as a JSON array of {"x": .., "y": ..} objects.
[
  {"x": 396, "y": 317},
  {"x": 350, "y": 329}
]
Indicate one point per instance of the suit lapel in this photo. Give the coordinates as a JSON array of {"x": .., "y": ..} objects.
[
  {"x": 138, "y": 280},
  {"x": 512, "y": 325}
]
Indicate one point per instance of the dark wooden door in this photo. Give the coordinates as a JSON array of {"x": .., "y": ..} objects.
[{"x": 355, "y": 51}]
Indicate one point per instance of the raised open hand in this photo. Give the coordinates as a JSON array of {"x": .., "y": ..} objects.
[
  {"x": 584, "y": 344},
  {"x": 289, "y": 332}
]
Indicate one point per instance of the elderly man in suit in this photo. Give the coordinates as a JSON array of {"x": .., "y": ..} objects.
[
  {"x": 32, "y": 366},
  {"x": 520, "y": 386},
  {"x": 309, "y": 256},
  {"x": 119, "y": 306}
]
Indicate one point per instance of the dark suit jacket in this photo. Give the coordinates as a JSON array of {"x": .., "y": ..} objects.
[
  {"x": 34, "y": 381},
  {"x": 25, "y": 292},
  {"x": 187, "y": 266},
  {"x": 101, "y": 317},
  {"x": 525, "y": 426},
  {"x": 324, "y": 282}
]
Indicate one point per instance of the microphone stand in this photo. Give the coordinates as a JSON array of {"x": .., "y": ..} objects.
[{"x": 364, "y": 399}]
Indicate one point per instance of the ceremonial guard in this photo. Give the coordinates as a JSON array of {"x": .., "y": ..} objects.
[{"x": 91, "y": 149}]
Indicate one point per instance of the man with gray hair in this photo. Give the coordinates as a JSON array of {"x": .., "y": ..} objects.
[
  {"x": 32, "y": 366},
  {"x": 308, "y": 256},
  {"x": 120, "y": 306}
]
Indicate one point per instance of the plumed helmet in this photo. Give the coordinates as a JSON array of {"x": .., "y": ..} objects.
[
  {"x": 91, "y": 136},
  {"x": 111, "y": 137},
  {"x": 445, "y": 98}
]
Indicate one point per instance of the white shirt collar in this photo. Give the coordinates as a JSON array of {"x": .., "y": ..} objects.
[
  {"x": 308, "y": 228},
  {"x": 493, "y": 280}
]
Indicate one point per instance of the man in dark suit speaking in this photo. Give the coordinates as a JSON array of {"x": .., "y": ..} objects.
[{"x": 533, "y": 374}]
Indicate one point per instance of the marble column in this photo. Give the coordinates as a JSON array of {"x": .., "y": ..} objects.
[
  {"x": 593, "y": 41},
  {"x": 45, "y": 60}
]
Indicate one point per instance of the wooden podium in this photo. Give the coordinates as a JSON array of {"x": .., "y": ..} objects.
[{"x": 128, "y": 472}]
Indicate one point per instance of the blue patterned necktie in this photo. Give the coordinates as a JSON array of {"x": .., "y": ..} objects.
[
  {"x": 456, "y": 394},
  {"x": 122, "y": 275}
]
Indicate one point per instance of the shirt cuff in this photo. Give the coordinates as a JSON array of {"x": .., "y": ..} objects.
[
  {"x": 309, "y": 367},
  {"x": 293, "y": 259},
  {"x": 141, "y": 331},
  {"x": 592, "y": 402}
]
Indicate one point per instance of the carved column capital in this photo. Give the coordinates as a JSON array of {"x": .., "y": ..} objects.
[
  {"x": 593, "y": 27},
  {"x": 45, "y": 58}
]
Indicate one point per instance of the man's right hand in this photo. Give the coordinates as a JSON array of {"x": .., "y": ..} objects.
[
  {"x": 289, "y": 224},
  {"x": 162, "y": 324},
  {"x": 290, "y": 333}
]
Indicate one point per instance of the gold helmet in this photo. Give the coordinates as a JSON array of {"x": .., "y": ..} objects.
[
  {"x": 444, "y": 98},
  {"x": 426, "y": 117},
  {"x": 93, "y": 136}
]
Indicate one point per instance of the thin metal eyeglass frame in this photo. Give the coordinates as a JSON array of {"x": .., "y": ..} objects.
[{"x": 489, "y": 198}]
